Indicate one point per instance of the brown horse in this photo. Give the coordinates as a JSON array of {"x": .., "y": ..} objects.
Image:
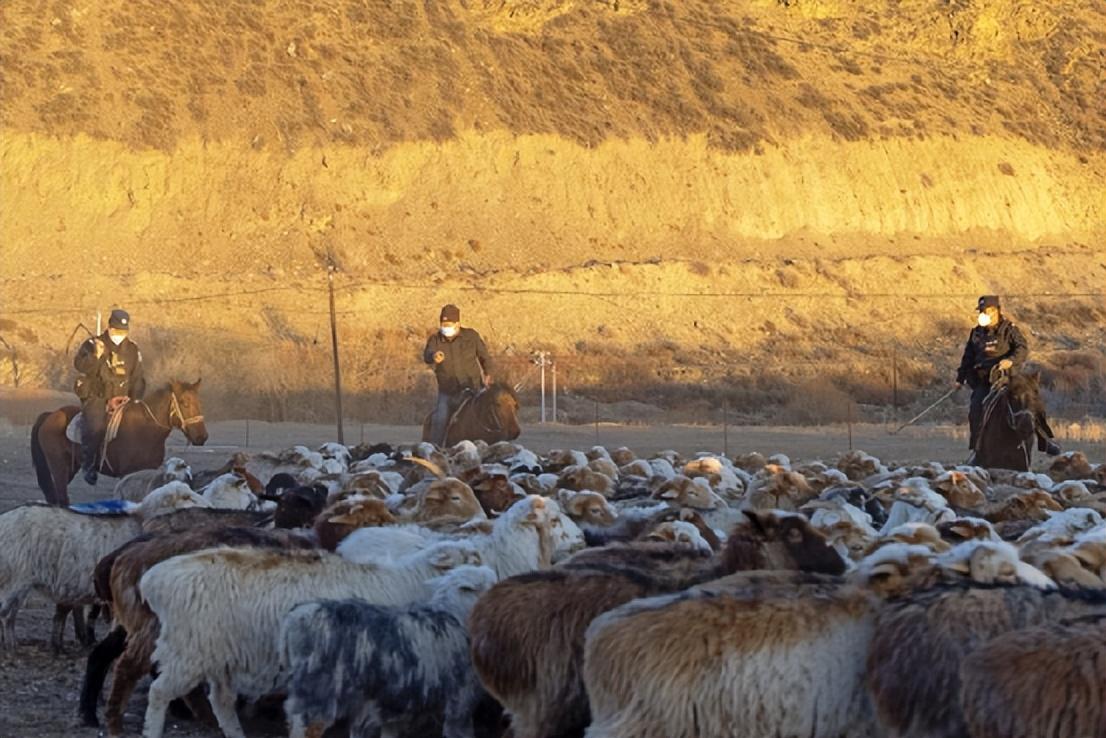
[
  {"x": 140, "y": 443},
  {"x": 491, "y": 415},
  {"x": 1012, "y": 413}
]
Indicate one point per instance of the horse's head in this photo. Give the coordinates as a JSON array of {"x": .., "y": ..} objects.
[
  {"x": 503, "y": 402},
  {"x": 185, "y": 411}
]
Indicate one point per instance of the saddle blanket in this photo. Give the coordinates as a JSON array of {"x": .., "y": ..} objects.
[
  {"x": 75, "y": 428},
  {"x": 103, "y": 507}
]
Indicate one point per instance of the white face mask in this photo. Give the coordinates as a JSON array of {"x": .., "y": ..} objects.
[
  {"x": 984, "y": 320},
  {"x": 449, "y": 331},
  {"x": 116, "y": 339}
]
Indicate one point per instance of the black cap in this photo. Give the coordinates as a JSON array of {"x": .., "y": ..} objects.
[
  {"x": 450, "y": 314},
  {"x": 119, "y": 319},
  {"x": 989, "y": 301}
]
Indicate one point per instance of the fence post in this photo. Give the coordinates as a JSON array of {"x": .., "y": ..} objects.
[
  {"x": 596, "y": 422},
  {"x": 247, "y": 432},
  {"x": 725, "y": 427},
  {"x": 541, "y": 363},
  {"x": 334, "y": 350},
  {"x": 895, "y": 384},
  {"x": 554, "y": 367},
  {"x": 850, "y": 425}
]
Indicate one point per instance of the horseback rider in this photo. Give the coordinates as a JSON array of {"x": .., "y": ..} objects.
[
  {"x": 994, "y": 343},
  {"x": 461, "y": 366},
  {"x": 111, "y": 370}
]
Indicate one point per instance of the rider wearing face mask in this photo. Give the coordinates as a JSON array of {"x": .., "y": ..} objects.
[
  {"x": 994, "y": 341},
  {"x": 461, "y": 364},
  {"x": 111, "y": 368}
]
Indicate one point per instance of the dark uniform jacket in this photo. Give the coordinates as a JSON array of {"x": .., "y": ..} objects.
[
  {"x": 465, "y": 355},
  {"x": 987, "y": 347},
  {"x": 117, "y": 373}
]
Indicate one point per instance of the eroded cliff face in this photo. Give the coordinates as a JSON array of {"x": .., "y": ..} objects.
[{"x": 658, "y": 192}]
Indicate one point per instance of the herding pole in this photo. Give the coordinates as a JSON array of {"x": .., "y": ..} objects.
[{"x": 334, "y": 350}]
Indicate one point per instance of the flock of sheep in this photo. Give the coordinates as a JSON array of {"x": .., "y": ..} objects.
[{"x": 458, "y": 592}]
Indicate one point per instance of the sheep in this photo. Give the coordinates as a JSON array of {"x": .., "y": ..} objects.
[
  {"x": 751, "y": 462},
  {"x": 495, "y": 492},
  {"x": 1033, "y": 505},
  {"x": 916, "y": 503},
  {"x": 338, "y": 521},
  {"x": 681, "y": 491},
  {"x": 587, "y": 508},
  {"x": 1064, "y": 568},
  {"x": 528, "y": 631},
  {"x": 1072, "y": 465},
  {"x": 230, "y": 491},
  {"x": 520, "y": 540},
  {"x": 1060, "y": 528},
  {"x": 581, "y": 478},
  {"x": 858, "y": 465},
  {"x": 202, "y": 517},
  {"x": 992, "y": 562},
  {"x": 299, "y": 507},
  {"x": 1040, "y": 682},
  {"x": 446, "y": 501},
  {"x": 228, "y": 636},
  {"x": 742, "y": 656},
  {"x": 680, "y": 532},
  {"x": 124, "y": 568},
  {"x": 959, "y": 490},
  {"x": 54, "y": 551},
  {"x": 912, "y": 534},
  {"x": 623, "y": 456},
  {"x": 920, "y": 643},
  {"x": 777, "y": 488},
  {"x": 559, "y": 459},
  {"x": 238, "y": 460},
  {"x": 136, "y": 485},
  {"x": 375, "y": 665}
]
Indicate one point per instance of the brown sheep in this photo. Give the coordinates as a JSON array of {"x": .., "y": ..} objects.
[
  {"x": 342, "y": 518},
  {"x": 136, "y": 621},
  {"x": 1072, "y": 465},
  {"x": 584, "y": 479},
  {"x": 494, "y": 492},
  {"x": 528, "y": 631},
  {"x": 775, "y": 488},
  {"x": 681, "y": 491},
  {"x": 751, "y": 463},
  {"x": 920, "y": 643},
  {"x": 448, "y": 501},
  {"x": 604, "y": 466},
  {"x": 749, "y": 655},
  {"x": 1032, "y": 505},
  {"x": 587, "y": 508},
  {"x": 1041, "y": 682},
  {"x": 627, "y": 528},
  {"x": 960, "y": 491},
  {"x": 622, "y": 456}
]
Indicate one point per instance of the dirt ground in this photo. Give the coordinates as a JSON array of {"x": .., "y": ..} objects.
[{"x": 40, "y": 690}]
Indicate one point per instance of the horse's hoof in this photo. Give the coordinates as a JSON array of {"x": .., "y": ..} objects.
[
  {"x": 91, "y": 477},
  {"x": 1052, "y": 448}
]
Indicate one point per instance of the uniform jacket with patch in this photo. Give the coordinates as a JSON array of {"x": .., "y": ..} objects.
[
  {"x": 988, "y": 346},
  {"x": 117, "y": 373},
  {"x": 465, "y": 356}
]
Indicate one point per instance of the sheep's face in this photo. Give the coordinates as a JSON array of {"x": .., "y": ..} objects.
[
  {"x": 604, "y": 466},
  {"x": 368, "y": 484},
  {"x": 494, "y": 493},
  {"x": 848, "y": 540},
  {"x": 778, "y": 488},
  {"x": 959, "y": 490},
  {"x": 1092, "y": 556},
  {"x": 363, "y": 513},
  {"x": 913, "y": 534},
  {"x": 448, "y": 500},
  {"x": 793, "y": 543},
  {"x": 581, "y": 478},
  {"x": 962, "y": 529},
  {"x": 588, "y": 507},
  {"x": 908, "y": 569},
  {"x": 679, "y": 532},
  {"x": 177, "y": 469},
  {"x": 622, "y": 456},
  {"x": 1028, "y": 506},
  {"x": 752, "y": 463},
  {"x": 1068, "y": 571},
  {"x": 685, "y": 492}
]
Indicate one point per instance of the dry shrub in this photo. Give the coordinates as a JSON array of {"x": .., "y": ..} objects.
[{"x": 815, "y": 402}]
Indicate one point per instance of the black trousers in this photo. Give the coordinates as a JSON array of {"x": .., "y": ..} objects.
[{"x": 95, "y": 411}]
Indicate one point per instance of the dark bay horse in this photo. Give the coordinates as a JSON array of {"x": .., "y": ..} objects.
[
  {"x": 1012, "y": 413},
  {"x": 140, "y": 443},
  {"x": 490, "y": 415}
]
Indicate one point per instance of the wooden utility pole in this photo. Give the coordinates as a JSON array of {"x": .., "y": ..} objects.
[{"x": 334, "y": 350}]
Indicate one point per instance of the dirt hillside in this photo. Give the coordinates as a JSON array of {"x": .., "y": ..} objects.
[{"x": 762, "y": 200}]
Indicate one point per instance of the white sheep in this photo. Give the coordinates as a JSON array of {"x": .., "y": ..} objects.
[
  {"x": 523, "y": 539},
  {"x": 230, "y": 491},
  {"x": 375, "y": 665},
  {"x": 220, "y": 612},
  {"x": 54, "y": 551},
  {"x": 136, "y": 485}
]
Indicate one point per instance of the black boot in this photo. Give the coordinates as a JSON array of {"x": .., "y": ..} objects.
[
  {"x": 1048, "y": 446},
  {"x": 88, "y": 465}
]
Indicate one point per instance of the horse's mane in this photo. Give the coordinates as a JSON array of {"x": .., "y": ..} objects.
[
  {"x": 502, "y": 387},
  {"x": 1024, "y": 390}
]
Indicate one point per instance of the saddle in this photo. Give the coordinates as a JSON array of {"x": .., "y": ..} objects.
[
  {"x": 74, "y": 431},
  {"x": 466, "y": 397}
]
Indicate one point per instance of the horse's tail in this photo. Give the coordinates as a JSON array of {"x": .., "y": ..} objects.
[{"x": 42, "y": 466}]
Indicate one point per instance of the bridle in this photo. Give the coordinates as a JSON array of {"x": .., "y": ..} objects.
[{"x": 174, "y": 412}]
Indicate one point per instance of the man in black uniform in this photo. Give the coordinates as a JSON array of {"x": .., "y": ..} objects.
[
  {"x": 111, "y": 367},
  {"x": 995, "y": 341},
  {"x": 461, "y": 364}
]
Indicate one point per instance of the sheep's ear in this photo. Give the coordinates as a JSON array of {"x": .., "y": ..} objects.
[
  {"x": 442, "y": 560},
  {"x": 759, "y": 520},
  {"x": 343, "y": 519},
  {"x": 670, "y": 495},
  {"x": 961, "y": 567}
]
